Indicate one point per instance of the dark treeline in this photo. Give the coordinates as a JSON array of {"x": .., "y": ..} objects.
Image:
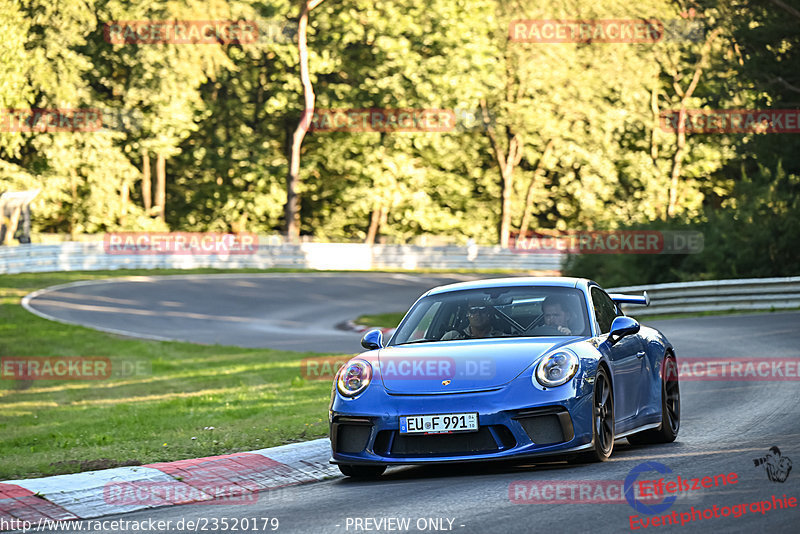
[{"x": 563, "y": 136}]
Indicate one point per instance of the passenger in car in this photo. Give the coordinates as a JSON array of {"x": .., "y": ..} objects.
[
  {"x": 556, "y": 315},
  {"x": 480, "y": 325}
]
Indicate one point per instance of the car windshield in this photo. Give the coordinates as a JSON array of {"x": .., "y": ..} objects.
[{"x": 516, "y": 311}]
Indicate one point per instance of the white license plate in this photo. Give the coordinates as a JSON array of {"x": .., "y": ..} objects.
[{"x": 439, "y": 424}]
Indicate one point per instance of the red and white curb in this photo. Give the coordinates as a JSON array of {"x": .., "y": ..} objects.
[
  {"x": 230, "y": 479},
  {"x": 352, "y": 326}
]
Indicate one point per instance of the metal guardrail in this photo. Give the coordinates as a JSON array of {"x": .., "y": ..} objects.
[
  {"x": 716, "y": 295},
  {"x": 91, "y": 256}
]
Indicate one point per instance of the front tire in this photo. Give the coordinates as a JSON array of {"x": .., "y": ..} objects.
[
  {"x": 670, "y": 408},
  {"x": 362, "y": 471},
  {"x": 602, "y": 421}
]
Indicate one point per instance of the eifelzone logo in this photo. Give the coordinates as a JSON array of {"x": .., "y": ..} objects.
[{"x": 630, "y": 495}]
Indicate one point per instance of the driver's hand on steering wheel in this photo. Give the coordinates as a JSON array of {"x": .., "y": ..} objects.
[{"x": 564, "y": 330}]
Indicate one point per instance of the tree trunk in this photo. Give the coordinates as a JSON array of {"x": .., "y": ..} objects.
[
  {"x": 680, "y": 149},
  {"x": 537, "y": 173},
  {"x": 789, "y": 9},
  {"x": 656, "y": 123},
  {"x": 124, "y": 199},
  {"x": 161, "y": 185},
  {"x": 677, "y": 163},
  {"x": 506, "y": 162},
  {"x": 147, "y": 194},
  {"x": 384, "y": 217},
  {"x": 374, "y": 223},
  {"x": 73, "y": 216},
  {"x": 292, "y": 208},
  {"x": 13, "y": 223},
  {"x": 382, "y": 222},
  {"x": 505, "y": 210}
]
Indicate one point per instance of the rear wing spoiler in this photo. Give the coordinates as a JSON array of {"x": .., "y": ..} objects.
[{"x": 621, "y": 298}]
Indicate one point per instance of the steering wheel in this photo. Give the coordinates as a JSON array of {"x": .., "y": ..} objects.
[{"x": 547, "y": 330}]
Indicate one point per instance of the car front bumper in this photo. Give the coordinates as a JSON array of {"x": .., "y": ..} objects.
[{"x": 515, "y": 420}]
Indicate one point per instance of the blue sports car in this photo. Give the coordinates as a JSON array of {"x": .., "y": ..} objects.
[{"x": 501, "y": 369}]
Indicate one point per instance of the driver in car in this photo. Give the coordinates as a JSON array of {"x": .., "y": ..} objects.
[
  {"x": 480, "y": 325},
  {"x": 556, "y": 315}
]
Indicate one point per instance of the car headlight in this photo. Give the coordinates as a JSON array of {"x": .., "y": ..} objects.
[
  {"x": 557, "y": 368},
  {"x": 354, "y": 378}
]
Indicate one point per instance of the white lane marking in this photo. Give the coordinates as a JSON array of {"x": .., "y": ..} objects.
[
  {"x": 679, "y": 454},
  {"x": 26, "y": 300}
]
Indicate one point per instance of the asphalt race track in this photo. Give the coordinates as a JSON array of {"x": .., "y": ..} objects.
[
  {"x": 292, "y": 311},
  {"x": 724, "y": 427}
]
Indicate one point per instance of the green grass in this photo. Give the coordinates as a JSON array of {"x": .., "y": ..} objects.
[
  {"x": 381, "y": 320},
  {"x": 253, "y": 398}
]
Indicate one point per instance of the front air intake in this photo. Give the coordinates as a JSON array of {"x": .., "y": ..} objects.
[
  {"x": 350, "y": 435},
  {"x": 546, "y": 426}
]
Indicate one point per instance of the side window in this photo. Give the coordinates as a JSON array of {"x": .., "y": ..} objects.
[
  {"x": 604, "y": 309},
  {"x": 423, "y": 328}
]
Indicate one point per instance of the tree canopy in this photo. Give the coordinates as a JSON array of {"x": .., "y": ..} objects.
[{"x": 546, "y": 135}]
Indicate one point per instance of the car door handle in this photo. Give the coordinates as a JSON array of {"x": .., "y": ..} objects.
[{"x": 640, "y": 354}]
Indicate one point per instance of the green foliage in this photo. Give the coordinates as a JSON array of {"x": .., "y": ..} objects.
[
  {"x": 222, "y": 116},
  {"x": 381, "y": 320},
  {"x": 754, "y": 235}
]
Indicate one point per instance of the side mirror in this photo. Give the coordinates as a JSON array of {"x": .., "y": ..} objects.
[
  {"x": 374, "y": 339},
  {"x": 621, "y": 327}
]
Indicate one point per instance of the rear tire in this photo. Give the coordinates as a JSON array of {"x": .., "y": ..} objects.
[
  {"x": 670, "y": 408},
  {"x": 362, "y": 471},
  {"x": 602, "y": 422}
]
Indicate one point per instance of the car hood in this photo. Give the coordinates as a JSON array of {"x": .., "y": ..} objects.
[{"x": 465, "y": 365}]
